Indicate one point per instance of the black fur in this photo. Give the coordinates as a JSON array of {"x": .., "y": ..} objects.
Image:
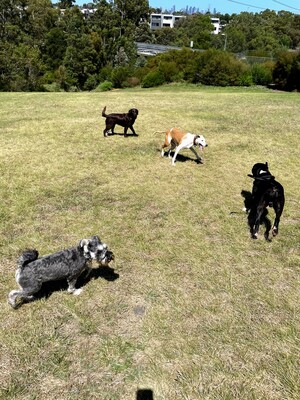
[
  {"x": 126, "y": 120},
  {"x": 266, "y": 192}
]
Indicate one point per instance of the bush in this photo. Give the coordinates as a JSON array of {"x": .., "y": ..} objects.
[
  {"x": 105, "y": 73},
  {"x": 152, "y": 79},
  {"x": 286, "y": 72},
  {"x": 261, "y": 74},
  {"x": 169, "y": 70},
  {"x": 91, "y": 82},
  {"x": 104, "y": 86},
  {"x": 119, "y": 76},
  {"x": 133, "y": 81},
  {"x": 52, "y": 87},
  {"x": 245, "y": 79},
  {"x": 216, "y": 68}
]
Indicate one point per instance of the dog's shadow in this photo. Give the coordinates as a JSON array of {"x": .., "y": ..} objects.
[
  {"x": 49, "y": 288},
  {"x": 122, "y": 134},
  {"x": 182, "y": 158}
]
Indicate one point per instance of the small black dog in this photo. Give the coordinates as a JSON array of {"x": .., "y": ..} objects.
[
  {"x": 265, "y": 192},
  {"x": 126, "y": 120}
]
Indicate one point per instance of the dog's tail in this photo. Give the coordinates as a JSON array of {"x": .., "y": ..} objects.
[
  {"x": 103, "y": 112},
  {"x": 27, "y": 257}
]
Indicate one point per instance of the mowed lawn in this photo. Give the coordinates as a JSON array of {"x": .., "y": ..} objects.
[{"x": 194, "y": 308}]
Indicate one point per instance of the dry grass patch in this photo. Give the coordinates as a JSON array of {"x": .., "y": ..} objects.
[{"x": 196, "y": 309}]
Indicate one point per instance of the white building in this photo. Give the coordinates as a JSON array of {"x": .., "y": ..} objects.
[
  {"x": 217, "y": 25},
  {"x": 158, "y": 21}
]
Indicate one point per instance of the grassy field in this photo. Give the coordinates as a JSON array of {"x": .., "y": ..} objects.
[{"x": 195, "y": 308}]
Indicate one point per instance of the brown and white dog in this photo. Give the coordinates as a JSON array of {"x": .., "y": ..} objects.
[{"x": 179, "y": 140}]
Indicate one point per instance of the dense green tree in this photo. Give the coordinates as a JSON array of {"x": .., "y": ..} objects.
[
  {"x": 41, "y": 17},
  {"x": 216, "y": 67},
  {"x": 294, "y": 32},
  {"x": 39, "y": 44},
  {"x": 54, "y": 48},
  {"x": 165, "y": 36},
  {"x": 266, "y": 33},
  {"x": 65, "y": 3},
  {"x": 286, "y": 72},
  {"x": 80, "y": 60},
  {"x": 196, "y": 28},
  {"x": 132, "y": 10},
  {"x": 143, "y": 33},
  {"x": 21, "y": 68}
]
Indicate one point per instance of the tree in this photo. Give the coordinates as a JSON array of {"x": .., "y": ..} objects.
[
  {"x": 132, "y": 10},
  {"x": 286, "y": 72},
  {"x": 166, "y": 36},
  {"x": 143, "y": 33},
  {"x": 41, "y": 17},
  {"x": 63, "y": 4},
  {"x": 54, "y": 48},
  {"x": 80, "y": 60},
  {"x": 195, "y": 28},
  {"x": 215, "y": 67}
]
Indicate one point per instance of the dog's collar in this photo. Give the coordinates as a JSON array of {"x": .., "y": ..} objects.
[
  {"x": 103, "y": 257},
  {"x": 262, "y": 178}
]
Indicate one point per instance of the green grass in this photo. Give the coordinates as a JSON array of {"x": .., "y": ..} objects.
[{"x": 199, "y": 310}]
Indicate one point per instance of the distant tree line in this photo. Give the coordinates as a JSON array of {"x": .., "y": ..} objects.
[{"x": 43, "y": 47}]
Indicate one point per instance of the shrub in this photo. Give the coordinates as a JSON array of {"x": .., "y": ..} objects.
[
  {"x": 169, "y": 70},
  {"x": 119, "y": 76},
  {"x": 105, "y": 73},
  {"x": 104, "y": 86},
  {"x": 286, "y": 72},
  {"x": 152, "y": 79},
  {"x": 219, "y": 68},
  {"x": 132, "y": 82},
  {"x": 52, "y": 87},
  {"x": 245, "y": 79},
  {"x": 262, "y": 74},
  {"x": 91, "y": 82}
]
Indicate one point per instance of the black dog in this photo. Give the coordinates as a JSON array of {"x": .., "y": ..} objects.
[
  {"x": 265, "y": 192},
  {"x": 126, "y": 120}
]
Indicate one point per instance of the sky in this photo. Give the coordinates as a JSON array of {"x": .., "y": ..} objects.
[
  {"x": 230, "y": 6},
  {"x": 225, "y": 6}
]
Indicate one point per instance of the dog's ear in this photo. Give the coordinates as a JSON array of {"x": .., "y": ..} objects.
[
  {"x": 83, "y": 243},
  {"x": 96, "y": 238},
  {"x": 84, "y": 247}
]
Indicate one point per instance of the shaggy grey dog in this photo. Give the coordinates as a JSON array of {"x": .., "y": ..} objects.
[{"x": 68, "y": 264}]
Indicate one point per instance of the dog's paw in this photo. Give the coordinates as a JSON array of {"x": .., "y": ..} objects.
[
  {"x": 77, "y": 292},
  {"x": 274, "y": 231}
]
